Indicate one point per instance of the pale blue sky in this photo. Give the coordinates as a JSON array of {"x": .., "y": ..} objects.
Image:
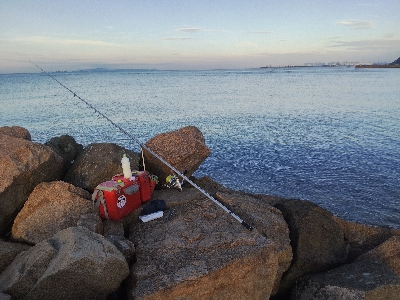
[{"x": 78, "y": 34}]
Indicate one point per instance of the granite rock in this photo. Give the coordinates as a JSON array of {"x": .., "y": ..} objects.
[
  {"x": 184, "y": 149},
  {"x": 200, "y": 252},
  {"x": 316, "y": 239},
  {"x": 8, "y": 251},
  {"x": 98, "y": 163},
  {"x": 66, "y": 147},
  {"x": 16, "y": 131},
  {"x": 373, "y": 275},
  {"x": 23, "y": 166},
  {"x": 51, "y": 207},
  {"x": 75, "y": 263},
  {"x": 361, "y": 238},
  {"x": 91, "y": 221}
]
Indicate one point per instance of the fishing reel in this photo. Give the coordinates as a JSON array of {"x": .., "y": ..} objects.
[{"x": 172, "y": 181}]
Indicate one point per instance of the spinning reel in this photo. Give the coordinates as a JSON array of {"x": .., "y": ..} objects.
[{"x": 172, "y": 181}]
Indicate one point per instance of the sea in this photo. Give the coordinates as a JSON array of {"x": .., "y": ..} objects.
[{"x": 330, "y": 135}]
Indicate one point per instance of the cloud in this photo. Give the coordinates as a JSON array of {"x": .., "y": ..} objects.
[
  {"x": 190, "y": 29},
  {"x": 173, "y": 38},
  {"x": 197, "y": 29},
  {"x": 58, "y": 41},
  {"x": 358, "y": 24},
  {"x": 368, "y": 45},
  {"x": 187, "y": 33}
]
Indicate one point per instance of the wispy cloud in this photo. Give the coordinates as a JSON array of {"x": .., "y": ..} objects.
[
  {"x": 172, "y": 38},
  {"x": 368, "y": 45},
  {"x": 358, "y": 24},
  {"x": 258, "y": 32},
  {"x": 187, "y": 31},
  {"x": 198, "y": 29},
  {"x": 190, "y": 29},
  {"x": 58, "y": 41}
]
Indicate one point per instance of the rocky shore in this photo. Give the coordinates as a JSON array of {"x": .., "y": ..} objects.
[{"x": 54, "y": 245}]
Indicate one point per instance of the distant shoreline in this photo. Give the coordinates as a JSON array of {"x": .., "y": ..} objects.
[
  {"x": 295, "y": 66},
  {"x": 329, "y": 66},
  {"x": 377, "y": 66}
]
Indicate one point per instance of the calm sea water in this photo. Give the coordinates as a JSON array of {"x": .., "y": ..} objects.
[{"x": 329, "y": 135}]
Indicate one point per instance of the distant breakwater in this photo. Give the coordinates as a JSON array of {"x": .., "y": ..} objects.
[{"x": 378, "y": 66}]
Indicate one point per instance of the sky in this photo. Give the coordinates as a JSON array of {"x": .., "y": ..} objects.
[{"x": 191, "y": 35}]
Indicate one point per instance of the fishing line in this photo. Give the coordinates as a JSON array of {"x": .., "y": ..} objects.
[{"x": 122, "y": 130}]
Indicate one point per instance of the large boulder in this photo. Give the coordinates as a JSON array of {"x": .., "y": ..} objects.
[
  {"x": 317, "y": 240},
  {"x": 269, "y": 222},
  {"x": 76, "y": 263},
  {"x": 51, "y": 207},
  {"x": 98, "y": 163},
  {"x": 23, "y": 166},
  {"x": 67, "y": 148},
  {"x": 184, "y": 149},
  {"x": 16, "y": 131},
  {"x": 373, "y": 275},
  {"x": 8, "y": 251},
  {"x": 198, "y": 251}
]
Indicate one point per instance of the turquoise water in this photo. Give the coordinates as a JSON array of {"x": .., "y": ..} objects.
[{"x": 329, "y": 135}]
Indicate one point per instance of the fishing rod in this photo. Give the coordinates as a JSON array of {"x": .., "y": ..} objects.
[{"x": 180, "y": 174}]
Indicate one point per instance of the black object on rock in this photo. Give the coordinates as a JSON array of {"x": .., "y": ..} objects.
[{"x": 153, "y": 206}]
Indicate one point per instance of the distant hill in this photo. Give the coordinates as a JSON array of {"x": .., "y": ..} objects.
[{"x": 396, "y": 62}]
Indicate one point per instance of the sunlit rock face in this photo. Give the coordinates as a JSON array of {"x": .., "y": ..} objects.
[
  {"x": 184, "y": 149},
  {"x": 198, "y": 251},
  {"x": 23, "y": 165},
  {"x": 51, "y": 207}
]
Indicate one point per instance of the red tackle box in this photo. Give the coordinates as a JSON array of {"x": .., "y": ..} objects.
[{"x": 120, "y": 196}]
